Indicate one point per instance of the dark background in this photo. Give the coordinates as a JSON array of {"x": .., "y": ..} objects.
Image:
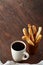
[{"x": 14, "y": 16}]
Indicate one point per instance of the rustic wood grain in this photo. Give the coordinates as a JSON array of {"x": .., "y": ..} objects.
[{"x": 14, "y": 15}]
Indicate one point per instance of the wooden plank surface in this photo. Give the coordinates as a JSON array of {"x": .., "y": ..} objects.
[{"x": 14, "y": 16}]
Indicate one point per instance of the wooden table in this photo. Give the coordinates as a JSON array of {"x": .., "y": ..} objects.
[{"x": 14, "y": 16}]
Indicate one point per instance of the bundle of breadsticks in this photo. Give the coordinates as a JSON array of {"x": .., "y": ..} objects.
[{"x": 32, "y": 35}]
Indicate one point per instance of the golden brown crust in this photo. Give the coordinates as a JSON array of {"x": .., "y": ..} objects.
[
  {"x": 25, "y": 32},
  {"x": 38, "y": 38},
  {"x": 39, "y": 31},
  {"x": 30, "y": 32},
  {"x": 34, "y": 28}
]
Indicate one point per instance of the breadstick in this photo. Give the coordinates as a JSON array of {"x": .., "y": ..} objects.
[
  {"x": 29, "y": 25},
  {"x": 25, "y": 32},
  {"x": 39, "y": 31},
  {"x": 24, "y": 37},
  {"x": 29, "y": 41},
  {"x": 34, "y": 29},
  {"x": 30, "y": 32},
  {"x": 38, "y": 38}
]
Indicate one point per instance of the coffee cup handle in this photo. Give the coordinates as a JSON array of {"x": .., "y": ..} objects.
[{"x": 25, "y": 56}]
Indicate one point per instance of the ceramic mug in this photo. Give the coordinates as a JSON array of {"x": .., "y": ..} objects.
[{"x": 19, "y": 52}]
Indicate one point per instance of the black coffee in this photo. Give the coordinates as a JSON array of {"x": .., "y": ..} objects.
[{"x": 18, "y": 46}]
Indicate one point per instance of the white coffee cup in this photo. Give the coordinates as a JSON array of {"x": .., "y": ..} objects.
[{"x": 19, "y": 55}]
